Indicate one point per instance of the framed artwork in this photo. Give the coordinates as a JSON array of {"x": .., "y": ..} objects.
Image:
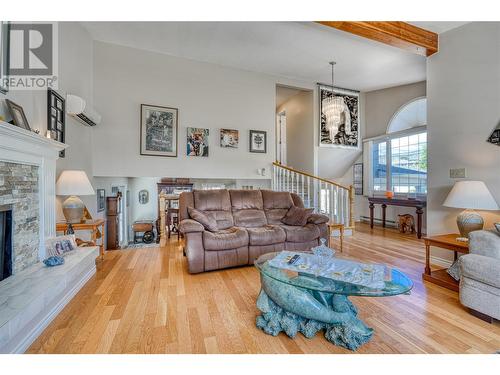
[
  {"x": 229, "y": 138},
  {"x": 143, "y": 196},
  {"x": 18, "y": 116},
  {"x": 339, "y": 128},
  {"x": 197, "y": 142},
  {"x": 258, "y": 141},
  {"x": 357, "y": 178},
  {"x": 4, "y": 56},
  {"x": 56, "y": 119},
  {"x": 158, "y": 130},
  {"x": 57, "y": 246},
  {"x": 101, "y": 200}
]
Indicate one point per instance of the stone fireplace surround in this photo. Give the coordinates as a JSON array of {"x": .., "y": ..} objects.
[{"x": 34, "y": 294}]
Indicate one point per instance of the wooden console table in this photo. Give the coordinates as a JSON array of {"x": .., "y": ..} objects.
[
  {"x": 418, "y": 204},
  {"x": 448, "y": 242},
  {"x": 91, "y": 225}
]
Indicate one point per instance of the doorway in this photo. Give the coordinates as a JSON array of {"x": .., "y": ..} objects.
[{"x": 295, "y": 128}]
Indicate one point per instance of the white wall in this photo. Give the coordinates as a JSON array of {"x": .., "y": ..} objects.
[
  {"x": 463, "y": 96},
  {"x": 207, "y": 96},
  {"x": 299, "y": 111},
  {"x": 75, "y": 76}
]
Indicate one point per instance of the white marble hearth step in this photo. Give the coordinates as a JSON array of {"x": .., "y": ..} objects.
[{"x": 30, "y": 299}]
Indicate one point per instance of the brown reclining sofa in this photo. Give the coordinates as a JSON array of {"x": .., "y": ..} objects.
[{"x": 248, "y": 225}]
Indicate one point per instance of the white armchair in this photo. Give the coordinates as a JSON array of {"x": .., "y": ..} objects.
[{"x": 480, "y": 275}]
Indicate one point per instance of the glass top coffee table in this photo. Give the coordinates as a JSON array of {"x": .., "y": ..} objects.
[{"x": 298, "y": 302}]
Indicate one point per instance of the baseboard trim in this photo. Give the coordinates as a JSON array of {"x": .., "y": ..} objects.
[
  {"x": 445, "y": 263},
  {"x": 32, "y": 335}
]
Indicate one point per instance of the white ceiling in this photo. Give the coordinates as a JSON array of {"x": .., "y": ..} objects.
[
  {"x": 296, "y": 50},
  {"x": 438, "y": 27}
]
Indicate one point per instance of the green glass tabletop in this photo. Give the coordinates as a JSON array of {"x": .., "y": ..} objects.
[{"x": 395, "y": 281}]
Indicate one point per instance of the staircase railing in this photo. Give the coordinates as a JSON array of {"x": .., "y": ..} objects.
[{"x": 325, "y": 196}]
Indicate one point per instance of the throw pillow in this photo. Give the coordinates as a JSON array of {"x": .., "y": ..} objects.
[
  {"x": 297, "y": 216},
  {"x": 57, "y": 246},
  {"x": 203, "y": 218}
]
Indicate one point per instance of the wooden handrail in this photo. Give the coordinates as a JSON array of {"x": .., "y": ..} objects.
[{"x": 312, "y": 176}]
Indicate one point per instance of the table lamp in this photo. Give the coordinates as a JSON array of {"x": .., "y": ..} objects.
[
  {"x": 73, "y": 183},
  {"x": 470, "y": 195}
]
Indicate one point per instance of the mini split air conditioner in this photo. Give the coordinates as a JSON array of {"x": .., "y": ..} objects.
[{"x": 77, "y": 108}]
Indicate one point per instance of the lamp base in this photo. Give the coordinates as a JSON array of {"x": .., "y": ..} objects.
[
  {"x": 73, "y": 209},
  {"x": 469, "y": 221}
]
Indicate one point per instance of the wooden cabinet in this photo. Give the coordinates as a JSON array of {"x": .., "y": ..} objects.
[{"x": 112, "y": 211}]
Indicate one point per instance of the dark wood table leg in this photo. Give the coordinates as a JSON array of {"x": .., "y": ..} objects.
[
  {"x": 384, "y": 206},
  {"x": 427, "y": 259},
  {"x": 419, "y": 222},
  {"x": 371, "y": 214}
]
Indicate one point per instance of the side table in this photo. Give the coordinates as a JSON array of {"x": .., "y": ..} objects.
[
  {"x": 447, "y": 242},
  {"x": 90, "y": 225},
  {"x": 340, "y": 227}
]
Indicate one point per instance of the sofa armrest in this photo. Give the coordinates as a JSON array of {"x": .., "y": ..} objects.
[
  {"x": 190, "y": 226},
  {"x": 318, "y": 219},
  {"x": 481, "y": 268},
  {"x": 485, "y": 242}
]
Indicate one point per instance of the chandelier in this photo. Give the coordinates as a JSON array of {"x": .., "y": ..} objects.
[{"x": 335, "y": 110}]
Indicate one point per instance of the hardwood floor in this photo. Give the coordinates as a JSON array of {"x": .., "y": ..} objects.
[{"x": 144, "y": 301}]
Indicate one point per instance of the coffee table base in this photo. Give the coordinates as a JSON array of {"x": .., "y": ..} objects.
[{"x": 285, "y": 313}]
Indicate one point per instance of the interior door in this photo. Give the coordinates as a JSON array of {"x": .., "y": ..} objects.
[{"x": 281, "y": 138}]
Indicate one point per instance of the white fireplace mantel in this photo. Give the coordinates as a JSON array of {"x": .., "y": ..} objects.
[{"x": 21, "y": 146}]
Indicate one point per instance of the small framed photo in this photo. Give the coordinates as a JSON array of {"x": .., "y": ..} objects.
[
  {"x": 197, "y": 142},
  {"x": 101, "y": 200},
  {"x": 357, "y": 179},
  {"x": 18, "y": 116},
  {"x": 229, "y": 138},
  {"x": 258, "y": 141}
]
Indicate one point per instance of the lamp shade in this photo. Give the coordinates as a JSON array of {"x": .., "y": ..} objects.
[
  {"x": 472, "y": 195},
  {"x": 74, "y": 183}
]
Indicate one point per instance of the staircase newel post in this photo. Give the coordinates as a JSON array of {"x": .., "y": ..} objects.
[{"x": 351, "y": 206}]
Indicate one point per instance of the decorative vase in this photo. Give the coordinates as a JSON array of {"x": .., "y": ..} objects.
[
  {"x": 73, "y": 208},
  {"x": 469, "y": 221}
]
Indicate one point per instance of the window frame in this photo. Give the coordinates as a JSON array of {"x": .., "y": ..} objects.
[{"x": 388, "y": 138}]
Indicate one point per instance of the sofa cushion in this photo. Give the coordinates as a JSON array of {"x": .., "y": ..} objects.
[
  {"x": 231, "y": 238},
  {"x": 266, "y": 235},
  {"x": 212, "y": 200},
  {"x": 308, "y": 232},
  {"x": 276, "y": 199},
  {"x": 297, "y": 216},
  {"x": 318, "y": 219},
  {"x": 250, "y": 218},
  {"x": 207, "y": 220},
  {"x": 246, "y": 199},
  {"x": 274, "y": 215}
]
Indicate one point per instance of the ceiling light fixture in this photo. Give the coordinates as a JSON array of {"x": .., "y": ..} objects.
[{"x": 333, "y": 108}]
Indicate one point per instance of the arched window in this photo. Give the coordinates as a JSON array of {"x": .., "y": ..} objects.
[
  {"x": 411, "y": 115},
  {"x": 399, "y": 158}
]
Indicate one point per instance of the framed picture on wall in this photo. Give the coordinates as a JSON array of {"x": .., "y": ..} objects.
[
  {"x": 101, "y": 199},
  {"x": 339, "y": 118},
  {"x": 158, "y": 130},
  {"x": 357, "y": 178},
  {"x": 56, "y": 119},
  {"x": 197, "y": 142},
  {"x": 258, "y": 141},
  {"x": 229, "y": 138}
]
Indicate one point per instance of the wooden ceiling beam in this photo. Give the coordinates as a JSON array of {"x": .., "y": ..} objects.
[{"x": 394, "y": 33}]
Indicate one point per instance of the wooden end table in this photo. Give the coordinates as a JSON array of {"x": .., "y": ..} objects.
[
  {"x": 340, "y": 227},
  {"x": 91, "y": 225},
  {"x": 448, "y": 242}
]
